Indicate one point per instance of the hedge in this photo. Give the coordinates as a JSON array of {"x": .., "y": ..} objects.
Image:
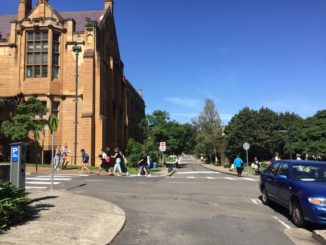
[{"x": 13, "y": 205}]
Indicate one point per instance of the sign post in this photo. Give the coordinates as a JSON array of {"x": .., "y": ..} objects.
[
  {"x": 246, "y": 147},
  {"x": 162, "y": 149},
  {"x": 53, "y": 123}
]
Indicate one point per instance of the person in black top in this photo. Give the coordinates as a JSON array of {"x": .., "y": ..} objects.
[{"x": 85, "y": 160}]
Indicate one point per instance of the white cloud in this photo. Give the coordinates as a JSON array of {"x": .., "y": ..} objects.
[{"x": 184, "y": 102}]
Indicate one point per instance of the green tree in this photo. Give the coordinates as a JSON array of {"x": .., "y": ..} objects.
[
  {"x": 209, "y": 131},
  {"x": 265, "y": 130},
  {"x": 28, "y": 118},
  {"x": 159, "y": 128},
  {"x": 307, "y": 137}
]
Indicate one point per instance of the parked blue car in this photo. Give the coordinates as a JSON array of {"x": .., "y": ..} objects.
[{"x": 299, "y": 186}]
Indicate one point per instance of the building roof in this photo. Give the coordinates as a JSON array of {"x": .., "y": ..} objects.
[{"x": 79, "y": 17}]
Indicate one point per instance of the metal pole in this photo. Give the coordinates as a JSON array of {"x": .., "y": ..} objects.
[
  {"x": 247, "y": 162},
  {"x": 76, "y": 106},
  {"x": 52, "y": 156}
]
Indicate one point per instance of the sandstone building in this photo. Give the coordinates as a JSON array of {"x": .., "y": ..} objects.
[{"x": 37, "y": 59}]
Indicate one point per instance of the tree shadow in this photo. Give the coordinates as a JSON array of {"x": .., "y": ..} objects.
[{"x": 33, "y": 211}]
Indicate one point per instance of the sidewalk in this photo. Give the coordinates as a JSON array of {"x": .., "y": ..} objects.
[
  {"x": 320, "y": 236},
  {"x": 66, "y": 218},
  {"x": 225, "y": 170}
]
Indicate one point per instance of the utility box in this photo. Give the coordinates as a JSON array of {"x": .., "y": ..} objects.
[{"x": 18, "y": 167}]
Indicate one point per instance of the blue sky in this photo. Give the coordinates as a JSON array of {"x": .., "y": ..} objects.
[{"x": 240, "y": 53}]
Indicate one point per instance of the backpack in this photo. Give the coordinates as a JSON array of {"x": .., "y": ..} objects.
[{"x": 107, "y": 159}]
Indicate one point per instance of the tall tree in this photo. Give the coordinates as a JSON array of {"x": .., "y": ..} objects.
[
  {"x": 265, "y": 130},
  {"x": 209, "y": 131}
]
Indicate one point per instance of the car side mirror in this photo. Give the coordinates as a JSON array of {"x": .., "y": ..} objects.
[{"x": 282, "y": 177}]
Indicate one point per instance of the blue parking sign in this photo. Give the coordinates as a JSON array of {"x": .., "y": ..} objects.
[{"x": 14, "y": 153}]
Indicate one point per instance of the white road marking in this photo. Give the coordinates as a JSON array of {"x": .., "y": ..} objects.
[
  {"x": 191, "y": 177},
  {"x": 66, "y": 175},
  {"x": 35, "y": 187},
  {"x": 231, "y": 178},
  {"x": 41, "y": 183},
  {"x": 48, "y": 178},
  {"x": 181, "y": 183},
  {"x": 250, "y": 179},
  {"x": 280, "y": 221},
  {"x": 210, "y": 178},
  {"x": 198, "y": 172},
  {"x": 256, "y": 201}
]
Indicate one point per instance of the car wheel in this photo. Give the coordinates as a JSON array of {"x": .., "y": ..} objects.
[
  {"x": 296, "y": 213},
  {"x": 264, "y": 196}
]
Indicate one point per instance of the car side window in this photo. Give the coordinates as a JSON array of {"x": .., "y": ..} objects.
[
  {"x": 273, "y": 168},
  {"x": 284, "y": 169}
]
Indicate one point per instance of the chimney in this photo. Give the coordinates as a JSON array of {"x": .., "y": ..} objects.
[
  {"x": 108, "y": 4},
  {"x": 24, "y": 7},
  {"x": 141, "y": 93}
]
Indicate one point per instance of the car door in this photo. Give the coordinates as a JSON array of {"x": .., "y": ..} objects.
[
  {"x": 283, "y": 186},
  {"x": 271, "y": 176}
]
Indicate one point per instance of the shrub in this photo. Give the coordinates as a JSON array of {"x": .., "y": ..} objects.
[{"x": 13, "y": 205}]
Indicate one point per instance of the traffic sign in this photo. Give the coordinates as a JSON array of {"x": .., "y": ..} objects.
[
  {"x": 53, "y": 123},
  {"x": 246, "y": 146},
  {"x": 14, "y": 153},
  {"x": 162, "y": 146}
]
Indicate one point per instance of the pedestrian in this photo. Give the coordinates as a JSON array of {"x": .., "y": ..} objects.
[
  {"x": 238, "y": 163},
  {"x": 85, "y": 160},
  {"x": 256, "y": 166},
  {"x": 64, "y": 153},
  {"x": 117, "y": 158},
  {"x": 57, "y": 158},
  {"x": 123, "y": 164},
  {"x": 105, "y": 162},
  {"x": 298, "y": 157},
  {"x": 142, "y": 163},
  {"x": 276, "y": 157}
]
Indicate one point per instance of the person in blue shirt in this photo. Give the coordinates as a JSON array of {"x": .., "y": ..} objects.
[{"x": 238, "y": 163}]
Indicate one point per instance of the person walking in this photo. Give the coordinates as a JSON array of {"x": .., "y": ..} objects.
[
  {"x": 85, "y": 160},
  {"x": 276, "y": 157},
  {"x": 142, "y": 163},
  {"x": 123, "y": 164},
  {"x": 105, "y": 162},
  {"x": 57, "y": 158},
  {"x": 117, "y": 158},
  {"x": 64, "y": 153},
  {"x": 238, "y": 163}
]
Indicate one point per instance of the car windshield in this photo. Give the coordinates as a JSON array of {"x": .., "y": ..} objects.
[{"x": 309, "y": 172}]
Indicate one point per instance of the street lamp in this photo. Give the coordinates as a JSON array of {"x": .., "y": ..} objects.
[{"x": 76, "y": 49}]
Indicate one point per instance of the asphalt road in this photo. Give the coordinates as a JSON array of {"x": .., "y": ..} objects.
[{"x": 194, "y": 206}]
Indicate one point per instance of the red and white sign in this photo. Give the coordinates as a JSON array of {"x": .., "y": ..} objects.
[{"x": 162, "y": 146}]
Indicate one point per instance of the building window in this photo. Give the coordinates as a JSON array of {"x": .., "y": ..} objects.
[
  {"x": 37, "y": 54},
  {"x": 56, "y": 55},
  {"x": 55, "y": 108}
]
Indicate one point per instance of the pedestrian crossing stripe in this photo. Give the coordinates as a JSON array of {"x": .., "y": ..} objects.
[
  {"x": 216, "y": 178},
  {"x": 41, "y": 183},
  {"x": 198, "y": 172},
  {"x": 35, "y": 187},
  {"x": 48, "y": 178}
]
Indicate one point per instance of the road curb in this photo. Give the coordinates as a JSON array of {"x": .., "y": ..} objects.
[
  {"x": 319, "y": 237},
  {"x": 74, "y": 211},
  {"x": 225, "y": 172}
]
